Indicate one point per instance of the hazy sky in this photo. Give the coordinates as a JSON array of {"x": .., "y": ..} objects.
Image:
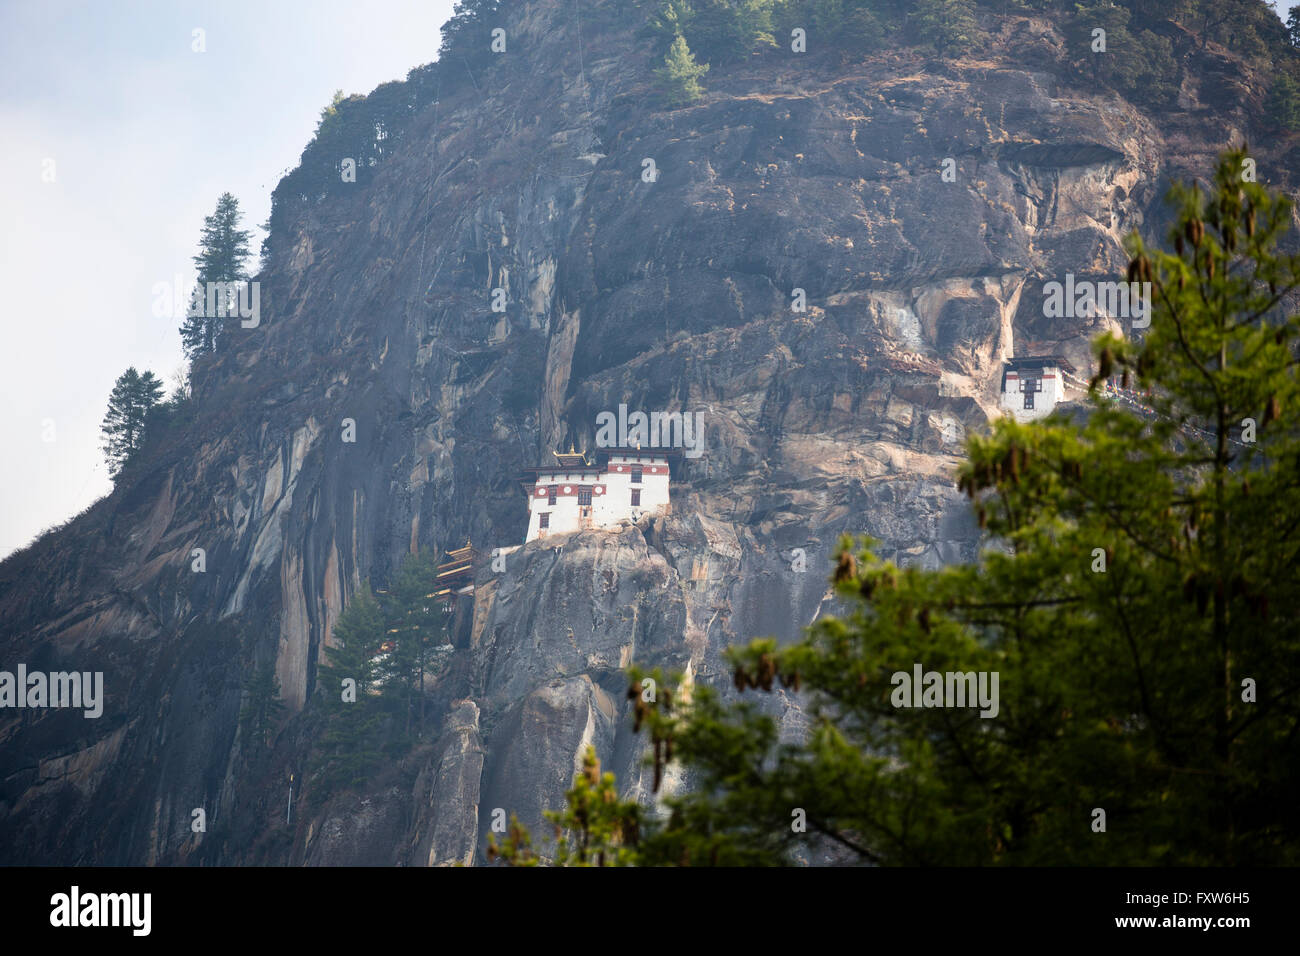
[{"x": 145, "y": 134}]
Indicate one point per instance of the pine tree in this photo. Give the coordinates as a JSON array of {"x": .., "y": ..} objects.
[
  {"x": 679, "y": 77},
  {"x": 385, "y": 644},
  {"x": 839, "y": 21},
  {"x": 1139, "y": 64},
  {"x": 262, "y": 704},
  {"x": 129, "y": 404},
  {"x": 596, "y": 828},
  {"x": 329, "y": 116},
  {"x": 223, "y": 252},
  {"x": 1293, "y": 26},
  {"x": 726, "y": 30},
  {"x": 1283, "y": 104},
  {"x": 672, "y": 19},
  {"x": 468, "y": 33},
  {"x": 948, "y": 24},
  {"x": 354, "y": 735},
  {"x": 415, "y": 624},
  {"x": 855, "y": 27},
  {"x": 1135, "y": 600}
]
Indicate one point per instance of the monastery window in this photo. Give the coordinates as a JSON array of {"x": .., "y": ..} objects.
[
  {"x": 636, "y": 497},
  {"x": 1030, "y": 387},
  {"x": 584, "y": 497},
  {"x": 544, "y": 520},
  {"x": 636, "y": 475},
  {"x": 553, "y": 491}
]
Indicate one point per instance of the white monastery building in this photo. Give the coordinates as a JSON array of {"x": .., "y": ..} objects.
[
  {"x": 574, "y": 494},
  {"x": 1034, "y": 385}
]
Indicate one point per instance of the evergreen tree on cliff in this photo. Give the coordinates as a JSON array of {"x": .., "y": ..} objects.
[
  {"x": 1282, "y": 107},
  {"x": 728, "y": 30},
  {"x": 223, "y": 252},
  {"x": 1136, "y": 600},
  {"x": 372, "y": 677},
  {"x": 415, "y": 625},
  {"x": 262, "y": 704},
  {"x": 468, "y": 34},
  {"x": 350, "y": 743},
  {"x": 948, "y": 24},
  {"x": 123, "y": 427},
  {"x": 679, "y": 77},
  {"x": 329, "y": 116}
]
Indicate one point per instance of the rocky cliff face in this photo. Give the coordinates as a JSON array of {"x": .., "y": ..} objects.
[{"x": 675, "y": 294}]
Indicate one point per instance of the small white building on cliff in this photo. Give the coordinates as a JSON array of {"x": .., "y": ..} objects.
[
  {"x": 1033, "y": 385},
  {"x": 574, "y": 493}
]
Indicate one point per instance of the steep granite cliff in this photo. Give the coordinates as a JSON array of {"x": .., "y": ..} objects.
[{"x": 811, "y": 172}]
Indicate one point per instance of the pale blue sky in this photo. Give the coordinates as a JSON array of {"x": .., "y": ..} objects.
[{"x": 145, "y": 133}]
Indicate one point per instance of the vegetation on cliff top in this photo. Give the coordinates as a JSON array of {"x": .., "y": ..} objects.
[
  {"x": 133, "y": 397},
  {"x": 136, "y": 414},
  {"x": 1148, "y": 46}
]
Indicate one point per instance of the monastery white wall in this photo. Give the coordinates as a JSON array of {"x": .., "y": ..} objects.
[
  {"x": 611, "y": 496},
  {"x": 1013, "y": 400},
  {"x": 655, "y": 477}
]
